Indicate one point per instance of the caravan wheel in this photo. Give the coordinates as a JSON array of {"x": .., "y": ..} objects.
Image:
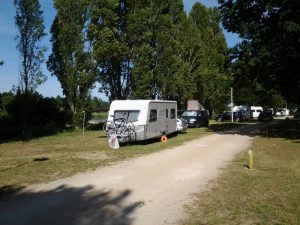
[{"x": 164, "y": 139}]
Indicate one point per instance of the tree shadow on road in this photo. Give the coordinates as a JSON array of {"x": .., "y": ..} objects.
[
  {"x": 68, "y": 206},
  {"x": 287, "y": 129}
]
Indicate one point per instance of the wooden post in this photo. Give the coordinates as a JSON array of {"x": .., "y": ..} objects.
[
  {"x": 250, "y": 160},
  {"x": 83, "y": 122},
  {"x": 231, "y": 93}
]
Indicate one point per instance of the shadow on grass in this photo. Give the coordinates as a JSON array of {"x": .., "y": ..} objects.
[
  {"x": 149, "y": 141},
  {"x": 102, "y": 136},
  {"x": 287, "y": 129},
  {"x": 224, "y": 126},
  {"x": 41, "y": 159},
  {"x": 12, "y": 134},
  {"x": 68, "y": 206}
]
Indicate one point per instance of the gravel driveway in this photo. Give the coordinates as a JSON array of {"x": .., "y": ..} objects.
[{"x": 150, "y": 190}]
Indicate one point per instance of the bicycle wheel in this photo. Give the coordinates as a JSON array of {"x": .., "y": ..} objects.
[
  {"x": 129, "y": 131},
  {"x": 109, "y": 128}
]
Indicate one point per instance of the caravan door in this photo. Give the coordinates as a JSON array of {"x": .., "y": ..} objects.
[
  {"x": 155, "y": 123},
  {"x": 161, "y": 119}
]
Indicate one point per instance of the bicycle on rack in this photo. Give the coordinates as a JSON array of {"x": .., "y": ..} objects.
[{"x": 123, "y": 129}]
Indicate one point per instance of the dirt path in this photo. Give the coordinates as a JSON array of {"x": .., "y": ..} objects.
[{"x": 150, "y": 190}]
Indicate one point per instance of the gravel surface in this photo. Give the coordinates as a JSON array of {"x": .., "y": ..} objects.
[{"x": 150, "y": 190}]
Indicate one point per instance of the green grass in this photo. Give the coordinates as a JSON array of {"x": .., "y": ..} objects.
[
  {"x": 269, "y": 194},
  {"x": 99, "y": 115},
  {"x": 48, "y": 158},
  {"x": 62, "y": 155}
]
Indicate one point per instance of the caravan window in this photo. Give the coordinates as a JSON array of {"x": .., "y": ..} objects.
[
  {"x": 153, "y": 115},
  {"x": 161, "y": 113},
  {"x": 167, "y": 113},
  {"x": 172, "y": 113},
  {"x": 128, "y": 115}
]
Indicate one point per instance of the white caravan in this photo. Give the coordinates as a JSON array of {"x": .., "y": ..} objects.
[
  {"x": 245, "y": 110},
  {"x": 137, "y": 120},
  {"x": 255, "y": 111}
]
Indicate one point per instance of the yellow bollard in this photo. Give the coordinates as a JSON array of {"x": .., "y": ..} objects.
[{"x": 250, "y": 160}]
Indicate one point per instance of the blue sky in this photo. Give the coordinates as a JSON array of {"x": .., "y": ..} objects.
[{"x": 9, "y": 72}]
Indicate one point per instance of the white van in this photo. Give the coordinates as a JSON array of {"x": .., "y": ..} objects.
[
  {"x": 245, "y": 110},
  {"x": 285, "y": 112},
  {"x": 255, "y": 111},
  {"x": 136, "y": 120}
]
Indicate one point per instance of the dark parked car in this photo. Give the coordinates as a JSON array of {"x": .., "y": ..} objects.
[
  {"x": 237, "y": 116},
  {"x": 265, "y": 115},
  {"x": 196, "y": 118},
  {"x": 297, "y": 114}
]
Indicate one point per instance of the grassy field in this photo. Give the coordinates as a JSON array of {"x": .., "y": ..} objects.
[
  {"x": 62, "y": 155},
  {"x": 269, "y": 194},
  {"x": 99, "y": 115}
]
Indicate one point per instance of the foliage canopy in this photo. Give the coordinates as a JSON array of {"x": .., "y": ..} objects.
[
  {"x": 29, "y": 23},
  {"x": 139, "y": 49},
  {"x": 269, "y": 54}
]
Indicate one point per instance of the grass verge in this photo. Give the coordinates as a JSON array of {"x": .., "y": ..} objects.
[
  {"x": 48, "y": 158},
  {"x": 269, "y": 194},
  {"x": 99, "y": 115}
]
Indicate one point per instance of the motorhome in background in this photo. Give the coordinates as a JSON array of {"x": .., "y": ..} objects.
[
  {"x": 245, "y": 110},
  {"x": 194, "y": 105},
  {"x": 196, "y": 115},
  {"x": 285, "y": 112},
  {"x": 282, "y": 112},
  {"x": 255, "y": 111},
  {"x": 141, "y": 119}
]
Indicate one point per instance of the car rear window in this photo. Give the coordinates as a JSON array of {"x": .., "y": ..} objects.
[{"x": 190, "y": 113}]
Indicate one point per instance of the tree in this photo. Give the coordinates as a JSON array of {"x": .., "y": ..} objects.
[
  {"x": 97, "y": 105},
  {"x": 155, "y": 38},
  {"x": 29, "y": 23},
  {"x": 137, "y": 47},
  {"x": 107, "y": 35},
  {"x": 173, "y": 57},
  {"x": 141, "y": 48},
  {"x": 269, "y": 53},
  {"x": 209, "y": 56},
  {"x": 5, "y": 99},
  {"x": 170, "y": 71},
  {"x": 71, "y": 59}
]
